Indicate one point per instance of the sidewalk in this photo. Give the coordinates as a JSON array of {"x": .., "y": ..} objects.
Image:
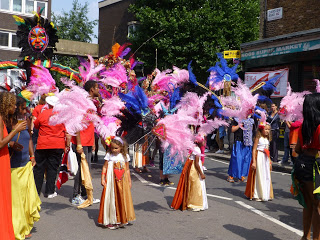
[{"x": 275, "y": 166}]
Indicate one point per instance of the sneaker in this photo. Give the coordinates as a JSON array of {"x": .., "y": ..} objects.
[
  {"x": 291, "y": 164},
  {"x": 168, "y": 183},
  {"x": 52, "y": 195},
  {"x": 220, "y": 151},
  {"x": 206, "y": 150},
  {"x": 204, "y": 168},
  {"x": 151, "y": 165},
  {"x": 230, "y": 179},
  {"x": 161, "y": 183},
  {"x": 95, "y": 200},
  {"x": 77, "y": 200}
]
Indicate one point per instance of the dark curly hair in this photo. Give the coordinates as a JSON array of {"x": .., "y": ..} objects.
[
  {"x": 7, "y": 101},
  {"x": 311, "y": 116}
]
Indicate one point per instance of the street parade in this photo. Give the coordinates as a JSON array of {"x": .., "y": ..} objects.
[{"x": 114, "y": 148}]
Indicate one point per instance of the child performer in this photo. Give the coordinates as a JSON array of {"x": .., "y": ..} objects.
[
  {"x": 116, "y": 207},
  {"x": 191, "y": 191},
  {"x": 259, "y": 185}
]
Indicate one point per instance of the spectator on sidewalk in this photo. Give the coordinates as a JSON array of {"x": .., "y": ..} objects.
[
  {"x": 221, "y": 132},
  {"x": 49, "y": 150},
  {"x": 274, "y": 120},
  {"x": 293, "y": 138},
  {"x": 287, "y": 149}
]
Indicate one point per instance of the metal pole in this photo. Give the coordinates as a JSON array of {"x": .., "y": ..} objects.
[{"x": 156, "y": 57}]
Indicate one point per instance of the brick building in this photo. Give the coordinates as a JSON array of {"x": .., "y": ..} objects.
[
  {"x": 289, "y": 38},
  {"x": 115, "y": 24},
  {"x": 8, "y": 39}
]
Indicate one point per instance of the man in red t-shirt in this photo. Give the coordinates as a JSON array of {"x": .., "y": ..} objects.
[
  {"x": 84, "y": 142},
  {"x": 49, "y": 150}
]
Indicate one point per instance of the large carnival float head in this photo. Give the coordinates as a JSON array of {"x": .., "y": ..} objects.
[{"x": 37, "y": 37}]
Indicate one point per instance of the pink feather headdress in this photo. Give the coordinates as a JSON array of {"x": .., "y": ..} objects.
[
  {"x": 41, "y": 81},
  {"x": 88, "y": 71},
  {"x": 291, "y": 105},
  {"x": 115, "y": 76},
  {"x": 179, "y": 76},
  {"x": 162, "y": 79},
  {"x": 243, "y": 104}
]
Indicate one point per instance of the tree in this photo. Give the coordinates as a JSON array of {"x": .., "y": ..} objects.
[
  {"x": 73, "y": 25},
  {"x": 192, "y": 30}
]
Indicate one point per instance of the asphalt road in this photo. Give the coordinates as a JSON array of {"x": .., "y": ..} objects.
[{"x": 230, "y": 214}]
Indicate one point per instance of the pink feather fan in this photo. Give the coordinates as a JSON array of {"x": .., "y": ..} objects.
[
  {"x": 88, "y": 71},
  {"x": 291, "y": 105},
  {"x": 179, "y": 76},
  {"x": 244, "y": 102},
  {"x": 112, "y": 106},
  {"x": 75, "y": 109},
  {"x": 115, "y": 76},
  {"x": 263, "y": 115},
  {"x": 41, "y": 81},
  {"x": 162, "y": 79},
  {"x": 177, "y": 133}
]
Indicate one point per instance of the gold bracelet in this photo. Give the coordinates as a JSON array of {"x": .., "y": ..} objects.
[{"x": 79, "y": 147}]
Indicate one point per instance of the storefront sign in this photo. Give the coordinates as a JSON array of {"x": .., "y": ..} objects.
[
  {"x": 231, "y": 54},
  {"x": 252, "y": 79},
  {"x": 274, "y": 14},
  {"x": 285, "y": 49}
]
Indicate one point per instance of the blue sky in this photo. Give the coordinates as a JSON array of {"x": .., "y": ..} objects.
[{"x": 66, "y": 5}]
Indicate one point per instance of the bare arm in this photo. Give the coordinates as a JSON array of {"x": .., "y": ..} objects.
[
  {"x": 254, "y": 153},
  {"x": 5, "y": 140},
  {"x": 79, "y": 145},
  {"x": 235, "y": 128},
  {"x": 104, "y": 173}
]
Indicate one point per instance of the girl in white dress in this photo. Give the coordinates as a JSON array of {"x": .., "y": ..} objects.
[
  {"x": 259, "y": 185},
  {"x": 116, "y": 207}
]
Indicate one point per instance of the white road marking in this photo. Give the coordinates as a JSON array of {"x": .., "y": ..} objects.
[
  {"x": 140, "y": 178},
  {"x": 298, "y": 232},
  {"x": 276, "y": 221}
]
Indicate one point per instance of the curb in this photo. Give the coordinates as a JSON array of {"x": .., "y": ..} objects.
[{"x": 275, "y": 166}]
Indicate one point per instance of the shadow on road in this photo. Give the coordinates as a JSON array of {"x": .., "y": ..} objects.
[
  {"x": 248, "y": 234},
  {"x": 150, "y": 206}
]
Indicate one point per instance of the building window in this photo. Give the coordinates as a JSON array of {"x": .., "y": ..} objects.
[
  {"x": 132, "y": 28},
  {"x": 17, "y": 5},
  {"x": 24, "y": 6},
  {"x": 4, "y": 4},
  {"x": 15, "y": 41},
  {"x": 8, "y": 40},
  {"x": 4, "y": 39},
  {"x": 29, "y": 6}
]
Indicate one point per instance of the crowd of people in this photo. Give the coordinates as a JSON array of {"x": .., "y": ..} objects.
[{"x": 25, "y": 165}]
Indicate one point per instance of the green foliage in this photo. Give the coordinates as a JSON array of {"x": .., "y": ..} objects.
[
  {"x": 73, "y": 25},
  {"x": 193, "y": 30}
]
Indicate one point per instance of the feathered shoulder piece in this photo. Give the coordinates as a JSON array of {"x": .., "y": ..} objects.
[
  {"x": 291, "y": 105},
  {"x": 75, "y": 109},
  {"x": 88, "y": 70},
  {"x": 37, "y": 37},
  {"x": 317, "y": 85}
]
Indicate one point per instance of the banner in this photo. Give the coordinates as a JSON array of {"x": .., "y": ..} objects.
[{"x": 252, "y": 79}]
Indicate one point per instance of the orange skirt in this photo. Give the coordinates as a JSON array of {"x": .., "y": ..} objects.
[{"x": 181, "y": 196}]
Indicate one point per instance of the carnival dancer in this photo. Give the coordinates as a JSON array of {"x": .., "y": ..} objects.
[
  {"x": 191, "y": 191},
  {"x": 259, "y": 185},
  {"x": 7, "y": 108},
  {"x": 306, "y": 168},
  {"x": 25, "y": 200},
  {"x": 116, "y": 206},
  {"x": 84, "y": 143},
  {"x": 241, "y": 150}
]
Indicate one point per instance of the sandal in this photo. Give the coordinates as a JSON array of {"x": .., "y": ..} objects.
[
  {"x": 137, "y": 170},
  {"x": 243, "y": 179},
  {"x": 28, "y": 236},
  {"x": 230, "y": 179}
]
